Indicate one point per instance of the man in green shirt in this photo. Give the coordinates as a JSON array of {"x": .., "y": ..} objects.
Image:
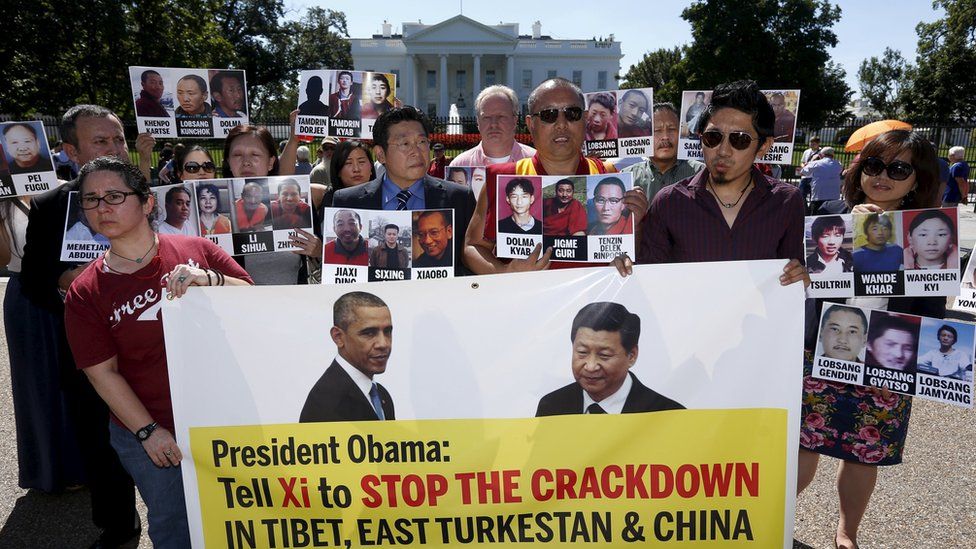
[{"x": 663, "y": 168}]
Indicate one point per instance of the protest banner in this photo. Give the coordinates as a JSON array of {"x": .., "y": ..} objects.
[
  {"x": 486, "y": 448},
  {"x": 353, "y": 102},
  {"x": 897, "y": 253},
  {"x": 693, "y": 104},
  {"x": 583, "y": 218},
  {"x": 188, "y": 103},
  {"x": 26, "y": 167},
  {"x": 786, "y": 105},
  {"x": 243, "y": 216},
  {"x": 620, "y": 123},
  {"x": 930, "y": 358},
  {"x": 373, "y": 245}
]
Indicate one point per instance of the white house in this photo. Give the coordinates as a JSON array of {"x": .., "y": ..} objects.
[{"x": 451, "y": 61}]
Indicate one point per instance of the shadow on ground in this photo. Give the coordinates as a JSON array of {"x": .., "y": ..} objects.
[{"x": 50, "y": 520}]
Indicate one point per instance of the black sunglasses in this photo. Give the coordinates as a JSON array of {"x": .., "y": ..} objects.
[
  {"x": 898, "y": 170},
  {"x": 740, "y": 141},
  {"x": 194, "y": 167},
  {"x": 549, "y": 116}
]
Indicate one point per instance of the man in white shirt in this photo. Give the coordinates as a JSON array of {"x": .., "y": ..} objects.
[
  {"x": 177, "y": 212},
  {"x": 946, "y": 361},
  {"x": 497, "y": 110}
]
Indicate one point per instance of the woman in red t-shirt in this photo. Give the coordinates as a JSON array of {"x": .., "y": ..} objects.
[{"x": 112, "y": 316}]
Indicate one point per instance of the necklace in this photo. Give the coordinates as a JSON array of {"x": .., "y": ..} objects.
[
  {"x": 140, "y": 260},
  {"x": 730, "y": 205}
]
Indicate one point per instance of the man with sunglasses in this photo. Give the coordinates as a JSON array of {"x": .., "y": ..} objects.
[
  {"x": 729, "y": 211},
  {"x": 557, "y": 125},
  {"x": 320, "y": 172},
  {"x": 825, "y": 178},
  {"x": 89, "y": 132}
]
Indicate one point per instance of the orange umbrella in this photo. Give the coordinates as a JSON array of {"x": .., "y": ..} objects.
[{"x": 863, "y": 136}]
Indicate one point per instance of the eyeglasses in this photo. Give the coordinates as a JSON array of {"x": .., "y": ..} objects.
[
  {"x": 740, "y": 141},
  {"x": 898, "y": 170},
  {"x": 406, "y": 145},
  {"x": 549, "y": 116},
  {"x": 602, "y": 201},
  {"x": 90, "y": 202},
  {"x": 194, "y": 167}
]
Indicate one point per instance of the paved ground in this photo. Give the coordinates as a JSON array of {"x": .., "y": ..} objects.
[{"x": 928, "y": 501}]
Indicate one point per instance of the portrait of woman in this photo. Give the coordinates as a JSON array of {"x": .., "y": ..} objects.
[
  {"x": 208, "y": 206},
  {"x": 931, "y": 242},
  {"x": 191, "y": 92}
]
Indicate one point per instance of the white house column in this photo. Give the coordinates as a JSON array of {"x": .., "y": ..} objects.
[
  {"x": 444, "y": 106},
  {"x": 410, "y": 76},
  {"x": 476, "y": 81},
  {"x": 510, "y": 70}
]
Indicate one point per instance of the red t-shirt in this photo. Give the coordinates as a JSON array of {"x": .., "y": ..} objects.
[
  {"x": 533, "y": 166},
  {"x": 108, "y": 314}
]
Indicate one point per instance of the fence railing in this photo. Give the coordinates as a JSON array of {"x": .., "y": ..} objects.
[{"x": 461, "y": 134}]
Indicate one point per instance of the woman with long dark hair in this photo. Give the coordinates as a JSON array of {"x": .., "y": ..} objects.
[{"x": 866, "y": 427}]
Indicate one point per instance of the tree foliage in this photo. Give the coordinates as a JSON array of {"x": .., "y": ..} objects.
[
  {"x": 778, "y": 43},
  {"x": 659, "y": 70},
  {"x": 881, "y": 81},
  {"x": 65, "y": 53},
  {"x": 940, "y": 86}
]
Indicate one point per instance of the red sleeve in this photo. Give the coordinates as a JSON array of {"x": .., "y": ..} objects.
[
  {"x": 218, "y": 259},
  {"x": 577, "y": 218},
  {"x": 89, "y": 335},
  {"x": 491, "y": 182}
]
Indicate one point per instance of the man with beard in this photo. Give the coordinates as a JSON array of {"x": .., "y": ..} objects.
[
  {"x": 349, "y": 247},
  {"x": 663, "y": 168},
  {"x": 729, "y": 211},
  {"x": 632, "y": 112}
]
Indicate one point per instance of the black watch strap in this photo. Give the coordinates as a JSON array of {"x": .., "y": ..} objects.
[{"x": 146, "y": 432}]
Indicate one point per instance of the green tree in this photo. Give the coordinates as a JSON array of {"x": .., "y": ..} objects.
[
  {"x": 70, "y": 53},
  {"x": 940, "y": 86},
  {"x": 880, "y": 81},
  {"x": 659, "y": 70},
  {"x": 777, "y": 43},
  {"x": 319, "y": 40}
]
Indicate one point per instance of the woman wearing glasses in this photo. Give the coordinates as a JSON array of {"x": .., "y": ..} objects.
[
  {"x": 866, "y": 427},
  {"x": 116, "y": 334}
]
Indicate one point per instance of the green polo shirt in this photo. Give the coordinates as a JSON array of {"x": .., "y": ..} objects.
[{"x": 649, "y": 178}]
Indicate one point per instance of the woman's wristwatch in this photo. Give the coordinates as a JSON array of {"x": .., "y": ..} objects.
[{"x": 147, "y": 431}]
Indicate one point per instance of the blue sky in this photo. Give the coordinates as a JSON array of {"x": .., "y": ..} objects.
[{"x": 865, "y": 29}]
